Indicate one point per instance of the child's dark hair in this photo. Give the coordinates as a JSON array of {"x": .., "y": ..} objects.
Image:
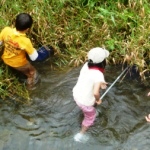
[
  {"x": 99, "y": 65},
  {"x": 23, "y": 21}
]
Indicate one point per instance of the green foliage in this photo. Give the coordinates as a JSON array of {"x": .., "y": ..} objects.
[
  {"x": 73, "y": 27},
  {"x": 10, "y": 87}
]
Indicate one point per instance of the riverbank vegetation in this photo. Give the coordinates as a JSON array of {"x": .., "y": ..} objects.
[{"x": 73, "y": 27}]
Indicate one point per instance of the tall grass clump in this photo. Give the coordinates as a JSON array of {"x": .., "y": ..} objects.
[
  {"x": 10, "y": 87},
  {"x": 73, "y": 27}
]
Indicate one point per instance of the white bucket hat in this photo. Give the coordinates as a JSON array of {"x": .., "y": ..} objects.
[{"x": 97, "y": 55}]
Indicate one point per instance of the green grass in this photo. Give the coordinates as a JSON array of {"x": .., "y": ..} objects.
[
  {"x": 10, "y": 87},
  {"x": 73, "y": 27}
]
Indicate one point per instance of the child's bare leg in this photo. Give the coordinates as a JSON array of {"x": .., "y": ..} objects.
[
  {"x": 30, "y": 72},
  {"x": 83, "y": 129}
]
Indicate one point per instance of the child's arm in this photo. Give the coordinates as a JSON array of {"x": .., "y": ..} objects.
[
  {"x": 97, "y": 87},
  {"x": 42, "y": 53},
  {"x": 148, "y": 94},
  {"x": 1, "y": 42},
  {"x": 33, "y": 56},
  {"x": 96, "y": 90},
  {"x": 0, "y": 47},
  {"x": 1, "y": 37}
]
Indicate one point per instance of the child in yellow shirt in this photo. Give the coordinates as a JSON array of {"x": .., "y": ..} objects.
[{"x": 17, "y": 45}]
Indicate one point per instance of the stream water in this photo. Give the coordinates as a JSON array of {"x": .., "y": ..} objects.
[{"x": 52, "y": 118}]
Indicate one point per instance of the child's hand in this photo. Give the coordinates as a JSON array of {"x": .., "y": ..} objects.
[
  {"x": 147, "y": 118},
  {"x": 103, "y": 85},
  {"x": 148, "y": 94},
  {"x": 98, "y": 102}
]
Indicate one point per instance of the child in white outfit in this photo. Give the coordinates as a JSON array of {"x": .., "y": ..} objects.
[{"x": 86, "y": 92}]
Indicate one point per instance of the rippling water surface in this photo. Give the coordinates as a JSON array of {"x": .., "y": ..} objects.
[{"x": 52, "y": 119}]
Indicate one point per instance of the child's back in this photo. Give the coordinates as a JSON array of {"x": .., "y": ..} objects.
[{"x": 16, "y": 46}]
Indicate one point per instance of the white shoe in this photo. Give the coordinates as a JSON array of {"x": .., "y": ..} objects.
[{"x": 79, "y": 137}]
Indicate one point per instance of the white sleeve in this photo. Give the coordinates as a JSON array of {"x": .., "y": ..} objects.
[
  {"x": 33, "y": 56},
  {"x": 1, "y": 42},
  {"x": 99, "y": 77}
]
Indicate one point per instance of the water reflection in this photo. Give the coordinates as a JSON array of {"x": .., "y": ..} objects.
[{"x": 52, "y": 119}]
